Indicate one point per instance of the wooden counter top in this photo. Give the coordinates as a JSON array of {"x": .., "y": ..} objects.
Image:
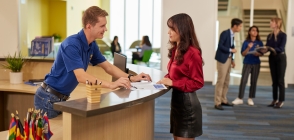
[
  {"x": 110, "y": 102},
  {"x": 23, "y": 88}
]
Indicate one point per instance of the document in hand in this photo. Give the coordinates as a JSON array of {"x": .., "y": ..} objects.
[
  {"x": 147, "y": 85},
  {"x": 263, "y": 50}
]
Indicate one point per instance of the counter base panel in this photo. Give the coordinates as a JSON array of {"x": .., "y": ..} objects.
[
  {"x": 12, "y": 101},
  {"x": 134, "y": 123}
]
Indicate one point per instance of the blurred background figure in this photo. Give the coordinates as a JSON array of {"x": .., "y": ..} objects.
[
  {"x": 115, "y": 46},
  {"x": 277, "y": 39},
  {"x": 145, "y": 45},
  {"x": 251, "y": 65}
]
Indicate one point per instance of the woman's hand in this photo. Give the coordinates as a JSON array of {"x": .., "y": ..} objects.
[
  {"x": 257, "y": 54},
  {"x": 166, "y": 81},
  {"x": 250, "y": 45}
]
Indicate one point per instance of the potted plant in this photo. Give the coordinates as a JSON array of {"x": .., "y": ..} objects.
[
  {"x": 14, "y": 63},
  {"x": 57, "y": 37}
]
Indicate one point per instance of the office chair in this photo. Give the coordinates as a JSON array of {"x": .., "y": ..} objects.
[{"x": 146, "y": 57}]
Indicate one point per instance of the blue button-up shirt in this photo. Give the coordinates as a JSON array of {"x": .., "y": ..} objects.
[
  {"x": 74, "y": 53},
  {"x": 250, "y": 58}
]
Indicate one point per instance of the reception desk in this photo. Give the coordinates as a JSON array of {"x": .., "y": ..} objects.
[{"x": 121, "y": 114}]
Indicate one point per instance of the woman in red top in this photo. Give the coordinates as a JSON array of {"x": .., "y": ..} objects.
[{"x": 185, "y": 76}]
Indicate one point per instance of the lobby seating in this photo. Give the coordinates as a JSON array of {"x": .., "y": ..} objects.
[{"x": 146, "y": 57}]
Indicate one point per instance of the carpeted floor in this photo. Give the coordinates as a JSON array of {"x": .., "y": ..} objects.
[{"x": 238, "y": 122}]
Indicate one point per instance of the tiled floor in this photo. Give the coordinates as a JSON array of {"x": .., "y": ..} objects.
[{"x": 238, "y": 122}]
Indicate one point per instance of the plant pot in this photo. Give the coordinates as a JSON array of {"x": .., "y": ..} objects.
[{"x": 16, "y": 77}]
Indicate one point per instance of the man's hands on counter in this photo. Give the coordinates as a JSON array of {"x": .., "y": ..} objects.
[
  {"x": 126, "y": 83},
  {"x": 141, "y": 77},
  {"x": 121, "y": 82}
]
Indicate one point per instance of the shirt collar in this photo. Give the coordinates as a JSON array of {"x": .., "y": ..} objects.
[
  {"x": 82, "y": 36},
  {"x": 232, "y": 33}
]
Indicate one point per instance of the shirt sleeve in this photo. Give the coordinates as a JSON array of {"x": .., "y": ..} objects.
[
  {"x": 72, "y": 58},
  {"x": 167, "y": 75},
  {"x": 280, "y": 47},
  {"x": 195, "y": 79},
  {"x": 143, "y": 50},
  {"x": 168, "y": 65},
  {"x": 112, "y": 48},
  {"x": 244, "y": 46},
  {"x": 221, "y": 43},
  {"x": 260, "y": 43},
  {"x": 97, "y": 55},
  {"x": 267, "y": 41}
]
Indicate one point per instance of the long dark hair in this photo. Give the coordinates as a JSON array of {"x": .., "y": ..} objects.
[
  {"x": 115, "y": 37},
  {"x": 248, "y": 38},
  {"x": 145, "y": 40},
  {"x": 183, "y": 25}
]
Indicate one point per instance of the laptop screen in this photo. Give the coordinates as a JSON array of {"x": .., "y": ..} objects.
[{"x": 120, "y": 61}]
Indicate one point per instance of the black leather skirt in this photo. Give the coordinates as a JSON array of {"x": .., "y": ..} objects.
[{"x": 186, "y": 115}]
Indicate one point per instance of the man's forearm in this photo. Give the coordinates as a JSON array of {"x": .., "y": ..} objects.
[
  {"x": 116, "y": 72},
  {"x": 82, "y": 77}
]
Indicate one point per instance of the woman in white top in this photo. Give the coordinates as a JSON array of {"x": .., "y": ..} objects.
[{"x": 145, "y": 45}]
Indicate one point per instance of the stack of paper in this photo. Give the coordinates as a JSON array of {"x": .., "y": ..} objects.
[{"x": 147, "y": 86}]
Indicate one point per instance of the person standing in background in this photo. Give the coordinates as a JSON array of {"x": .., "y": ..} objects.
[
  {"x": 277, "y": 39},
  {"x": 185, "y": 76},
  {"x": 224, "y": 58},
  {"x": 251, "y": 64},
  {"x": 115, "y": 46}
]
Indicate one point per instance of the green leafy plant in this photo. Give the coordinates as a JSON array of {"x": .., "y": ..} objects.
[
  {"x": 57, "y": 37},
  {"x": 14, "y": 62}
]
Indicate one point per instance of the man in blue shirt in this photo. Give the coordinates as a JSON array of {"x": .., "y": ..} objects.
[{"x": 73, "y": 58}]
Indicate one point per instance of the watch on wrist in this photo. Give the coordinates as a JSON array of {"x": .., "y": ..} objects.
[{"x": 130, "y": 77}]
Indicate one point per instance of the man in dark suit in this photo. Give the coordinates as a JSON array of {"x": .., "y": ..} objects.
[{"x": 225, "y": 60}]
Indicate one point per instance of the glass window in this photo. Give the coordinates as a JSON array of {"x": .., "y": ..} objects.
[
  {"x": 116, "y": 22},
  {"x": 132, "y": 19},
  {"x": 145, "y": 19},
  {"x": 156, "y": 24},
  {"x": 131, "y": 22}
]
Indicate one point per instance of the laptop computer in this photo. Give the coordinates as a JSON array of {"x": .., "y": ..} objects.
[{"x": 120, "y": 61}]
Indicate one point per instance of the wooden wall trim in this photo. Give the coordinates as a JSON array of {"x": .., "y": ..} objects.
[{"x": 2, "y": 126}]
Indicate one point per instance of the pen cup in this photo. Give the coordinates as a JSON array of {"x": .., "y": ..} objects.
[{"x": 93, "y": 93}]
